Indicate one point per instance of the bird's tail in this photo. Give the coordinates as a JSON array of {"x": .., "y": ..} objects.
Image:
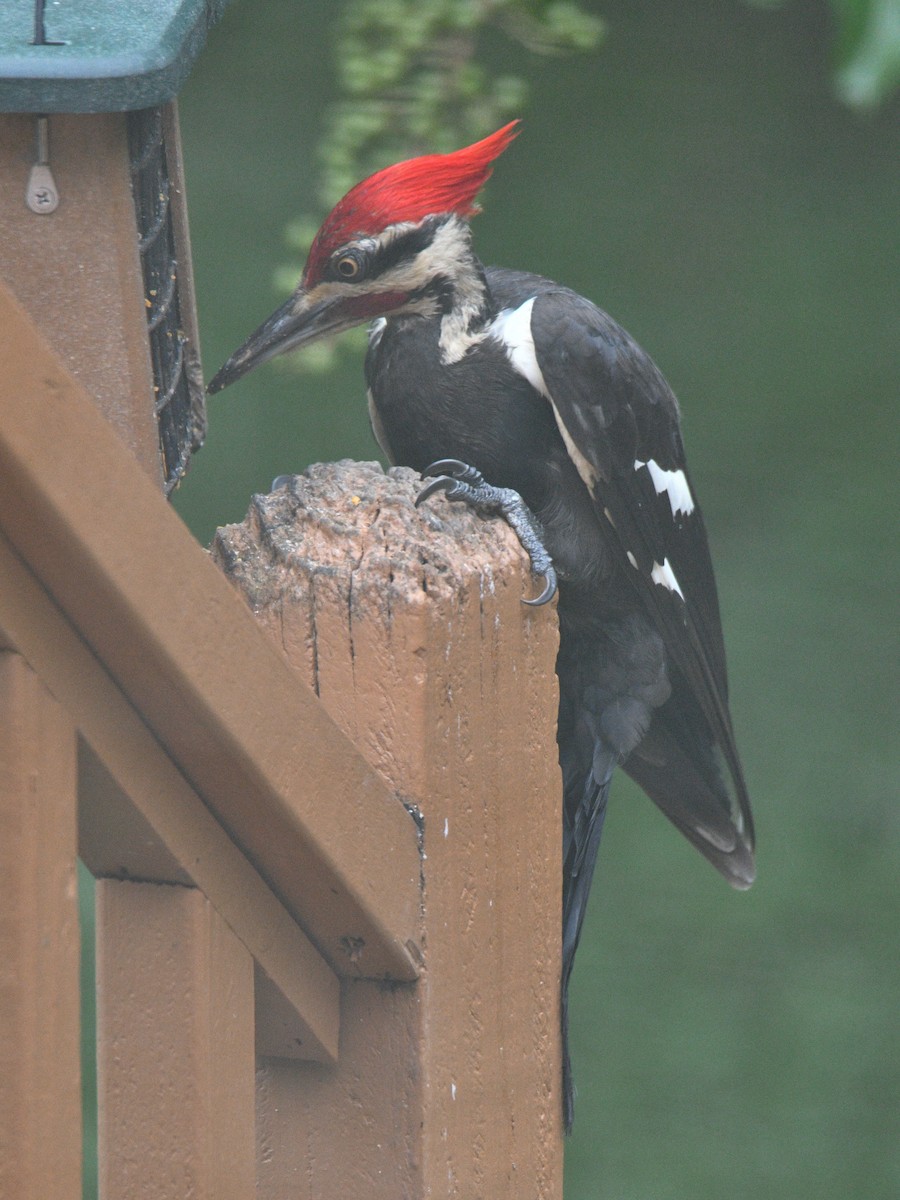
[{"x": 584, "y": 826}]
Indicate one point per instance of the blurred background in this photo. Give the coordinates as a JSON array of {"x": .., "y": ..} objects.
[{"x": 696, "y": 176}]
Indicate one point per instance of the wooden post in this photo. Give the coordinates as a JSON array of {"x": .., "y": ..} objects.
[
  {"x": 410, "y": 627},
  {"x": 175, "y": 1047},
  {"x": 40, "y": 1073}
]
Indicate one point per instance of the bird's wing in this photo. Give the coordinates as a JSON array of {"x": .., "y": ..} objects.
[{"x": 619, "y": 420}]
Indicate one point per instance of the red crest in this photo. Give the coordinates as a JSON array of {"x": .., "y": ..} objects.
[{"x": 409, "y": 191}]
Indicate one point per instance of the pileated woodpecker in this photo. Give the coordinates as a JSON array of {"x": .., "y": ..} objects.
[{"x": 503, "y": 382}]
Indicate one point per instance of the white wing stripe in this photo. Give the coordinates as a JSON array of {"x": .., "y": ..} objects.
[
  {"x": 673, "y": 483},
  {"x": 512, "y": 327},
  {"x": 665, "y": 577}
]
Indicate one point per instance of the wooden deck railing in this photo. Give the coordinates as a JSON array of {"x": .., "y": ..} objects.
[{"x": 328, "y": 868}]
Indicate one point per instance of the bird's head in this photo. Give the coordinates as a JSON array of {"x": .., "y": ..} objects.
[{"x": 390, "y": 246}]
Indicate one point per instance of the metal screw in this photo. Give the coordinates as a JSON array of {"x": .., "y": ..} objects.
[{"x": 41, "y": 194}]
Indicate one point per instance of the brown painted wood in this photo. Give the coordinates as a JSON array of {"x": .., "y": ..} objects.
[
  {"x": 138, "y": 815},
  {"x": 40, "y": 1071},
  {"x": 252, "y": 740},
  {"x": 77, "y": 270},
  {"x": 410, "y": 627},
  {"x": 175, "y": 1047}
]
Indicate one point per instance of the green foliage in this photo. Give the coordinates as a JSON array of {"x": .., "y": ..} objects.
[
  {"x": 411, "y": 83},
  {"x": 867, "y": 50}
]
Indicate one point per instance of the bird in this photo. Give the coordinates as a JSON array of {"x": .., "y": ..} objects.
[{"x": 520, "y": 396}]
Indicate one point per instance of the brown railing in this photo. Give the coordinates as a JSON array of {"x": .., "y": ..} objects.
[{"x": 328, "y": 867}]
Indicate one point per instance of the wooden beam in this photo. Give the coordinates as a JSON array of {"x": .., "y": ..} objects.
[
  {"x": 165, "y": 828},
  {"x": 40, "y": 1069},
  {"x": 175, "y": 1050},
  {"x": 254, "y": 742}
]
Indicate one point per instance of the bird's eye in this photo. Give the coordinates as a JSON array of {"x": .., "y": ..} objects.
[{"x": 347, "y": 266}]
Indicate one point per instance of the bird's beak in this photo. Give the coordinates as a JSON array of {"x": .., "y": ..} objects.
[{"x": 298, "y": 322}]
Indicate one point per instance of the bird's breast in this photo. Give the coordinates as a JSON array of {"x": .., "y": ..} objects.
[
  {"x": 477, "y": 409},
  {"x": 485, "y": 412}
]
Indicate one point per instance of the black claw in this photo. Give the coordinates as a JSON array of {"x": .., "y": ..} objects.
[
  {"x": 550, "y": 589},
  {"x": 447, "y": 466},
  {"x": 443, "y": 484},
  {"x": 461, "y": 482}
]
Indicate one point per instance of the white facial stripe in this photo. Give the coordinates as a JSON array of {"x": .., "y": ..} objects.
[
  {"x": 451, "y": 255},
  {"x": 448, "y": 253},
  {"x": 665, "y": 577},
  {"x": 408, "y": 278},
  {"x": 673, "y": 483}
]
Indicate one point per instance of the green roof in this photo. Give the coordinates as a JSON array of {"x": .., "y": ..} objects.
[{"x": 99, "y": 55}]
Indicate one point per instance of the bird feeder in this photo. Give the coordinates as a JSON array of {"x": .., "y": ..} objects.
[{"x": 93, "y": 222}]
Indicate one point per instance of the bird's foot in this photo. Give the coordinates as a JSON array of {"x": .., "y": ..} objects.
[{"x": 461, "y": 482}]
